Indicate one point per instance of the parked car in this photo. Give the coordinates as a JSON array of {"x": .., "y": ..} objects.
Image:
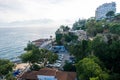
[
  {"x": 57, "y": 65},
  {"x": 58, "y": 61},
  {"x": 49, "y": 65},
  {"x": 72, "y": 58},
  {"x": 61, "y": 55}
]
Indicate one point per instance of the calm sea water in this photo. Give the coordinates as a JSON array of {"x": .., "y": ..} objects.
[{"x": 14, "y": 40}]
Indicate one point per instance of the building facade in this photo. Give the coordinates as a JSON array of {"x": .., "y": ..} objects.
[
  {"x": 102, "y": 10},
  {"x": 48, "y": 74}
]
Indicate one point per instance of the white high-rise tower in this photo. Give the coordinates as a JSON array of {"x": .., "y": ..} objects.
[{"x": 102, "y": 10}]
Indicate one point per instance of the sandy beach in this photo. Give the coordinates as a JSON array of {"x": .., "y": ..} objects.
[{"x": 21, "y": 66}]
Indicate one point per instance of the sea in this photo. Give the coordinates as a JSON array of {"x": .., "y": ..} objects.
[{"x": 14, "y": 40}]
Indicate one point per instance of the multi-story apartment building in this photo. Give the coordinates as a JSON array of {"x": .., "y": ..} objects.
[{"x": 102, "y": 10}]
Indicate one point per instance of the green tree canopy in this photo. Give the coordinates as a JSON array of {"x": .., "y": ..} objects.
[
  {"x": 108, "y": 53},
  {"x": 79, "y": 50},
  {"x": 79, "y": 25},
  {"x": 110, "y": 14},
  {"x": 69, "y": 67},
  {"x": 5, "y": 67},
  {"x": 115, "y": 29},
  {"x": 30, "y": 46},
  {"x": 65, "y": 28},
  {"x": 59, "y": 38},
  {"x": 37, "y": 55},
  {"x": 10, "y": 76},
  {"x": 88, "y": 69}
]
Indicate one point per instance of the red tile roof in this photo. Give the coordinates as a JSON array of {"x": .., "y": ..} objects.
[
  {"x": 47, "y": 72},
  {"x": 65, "y": 75},
  {"x": 29, "y": 75},
  {"x": 39, "y": 41},
  {"x": 60, "y": 75}
]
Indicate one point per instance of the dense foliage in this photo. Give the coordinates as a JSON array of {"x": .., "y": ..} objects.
[
  {"x": 79, "y": 25},
  {"x": 98, "y": 58},
  {"x": 107, "y": 52},
  {"x": 37, "y": 55},
  {"x": 5, "y": 67},
  {"x": 10, "y": 76},
  {"x": 110, "y": 14},
  {"x": 65, "y": 36},
  {"x": 69, "y": 67},
  {"x": 35, "y": 67},
  {"x": 30, "y": 46},
  {"x": 79, "y": 49},
  {"x": 87, "y": 68}
]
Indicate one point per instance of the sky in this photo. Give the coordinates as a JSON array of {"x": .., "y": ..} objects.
[{"x": 47, "y": 13}]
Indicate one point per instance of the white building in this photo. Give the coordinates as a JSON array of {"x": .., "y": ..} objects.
[
  {"x": 102, "y": 10},
  {"x": 42, "y": 77}
]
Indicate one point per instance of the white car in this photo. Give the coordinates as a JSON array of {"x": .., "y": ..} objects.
[
  {"x": 60, "y": 57},
  {"x": 57, "y": 65},
  {"x": 58, "y": 61},
  {"x": 49, "y": 65}
]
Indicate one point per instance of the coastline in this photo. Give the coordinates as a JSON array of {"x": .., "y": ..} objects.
[
  {"x": 19, "y": 65},
  {"x": 14, "y": 40},
  {"x": 41, "y": 43}
]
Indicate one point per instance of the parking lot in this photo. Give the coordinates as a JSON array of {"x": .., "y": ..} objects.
[
  {"x": 62, "y": 57},
  {"x": 66, "y": 57}
]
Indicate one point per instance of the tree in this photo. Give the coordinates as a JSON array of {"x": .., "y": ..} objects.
[
  {"x": 110, "y": 14},
  {"x": 26, "y": 57},
  {"x": 30, "y": 46},
  {"x": 37, "y": 55},
  {"x": 51, "y": 57},
  {"x": 70, "y": 37},
  {"x": 35, "y": 67},
  {"x": 5, "y": 67},
  {"x": 69, "y": 67},
  {"x": 79, "y": 25},
  {"x": 115, "y": 29},
  {"x": 88, "y": 69},
  {"x": 117, "y": 17},
  {"x": 29, "y": 57},
  {"x": 108, "y": 53},
  {"x": 59, "y": 37},
  {"x": 48, "y": 56},
  {"x": 79, "y": 50},
  {"x": 65, "y": 28},
  {"x": 10, "y": 76},
  {"x": 96, "y": 78},
  {"x": 94, "y": 27},
  {"x": 113, "y": 57},
  {"x": 33, "y": 56}
]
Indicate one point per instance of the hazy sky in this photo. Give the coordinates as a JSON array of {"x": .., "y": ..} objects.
[{"x": 47, "y": 12}]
